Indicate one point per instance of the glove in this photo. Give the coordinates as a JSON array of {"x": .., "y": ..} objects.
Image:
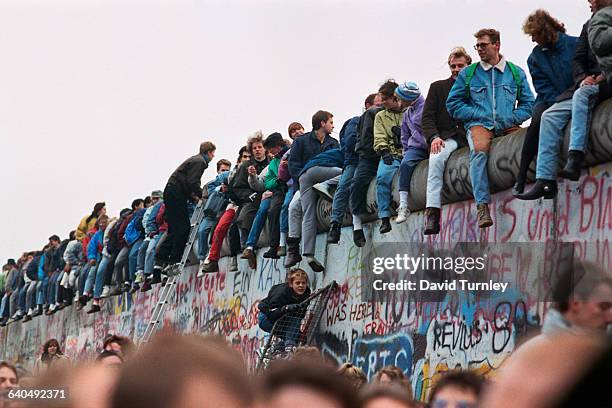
[
  {"x": 387, "y": 158},
  {"x": 290, "y": 308}
]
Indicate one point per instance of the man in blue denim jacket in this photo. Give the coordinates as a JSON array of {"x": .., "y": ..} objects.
[{"x": 493, "y": 102}]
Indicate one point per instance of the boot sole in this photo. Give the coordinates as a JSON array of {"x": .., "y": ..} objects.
[{"x": 316, "y": 267}]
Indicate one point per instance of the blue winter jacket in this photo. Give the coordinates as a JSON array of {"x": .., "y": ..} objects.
[
  {"x": 305, "y": 148},
  {"x": 329, "y": 158},
  {"x": 492, "y": 102},
  {"x": 94, "y": 248},
  {"x": 348, "y": 138},
  {"x": 551, "y": 68},
  {"x": 216, "y": 201}
]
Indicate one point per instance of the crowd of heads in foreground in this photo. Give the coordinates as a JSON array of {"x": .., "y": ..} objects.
[{"x": 204, "y": 371}]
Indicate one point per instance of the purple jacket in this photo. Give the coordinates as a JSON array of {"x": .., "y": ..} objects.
[{"x": 412, "y": 131}]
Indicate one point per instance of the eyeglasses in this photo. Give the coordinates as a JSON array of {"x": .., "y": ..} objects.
[
  {"x": 482, "y": 45},
  {"x": 453, "y": 66}
]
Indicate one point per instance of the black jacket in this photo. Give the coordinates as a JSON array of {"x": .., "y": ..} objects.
[
  {"x": 280, "y": 295},
  {"x": 187, "y": 177},
  {"x": 365, "y": 134},
  {"x": 52, "y": 261},
  {"x": 585, "y": 64},
  {"x": 32, "y": 270},
  {"x": 436, "y": 120},
  {"x": 239, "y": 189}
]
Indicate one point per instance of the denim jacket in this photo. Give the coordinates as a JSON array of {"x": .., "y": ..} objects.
[{"x": 492, "y": 102}]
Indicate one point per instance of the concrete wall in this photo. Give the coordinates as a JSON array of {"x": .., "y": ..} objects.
[{"x": 423, "y": 339}]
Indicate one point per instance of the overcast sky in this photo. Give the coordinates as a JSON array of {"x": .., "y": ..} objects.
[{"x": 101, "y": 100}]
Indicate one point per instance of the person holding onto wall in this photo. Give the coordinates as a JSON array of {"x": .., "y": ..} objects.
[
  {"x": 492, "y": 98},
  {"x": 367, "y": 165},
  {"x": 183, "y": 186},
  {"x": 387, "y": 145},
  {"x": 241, "y": 195},
  {"x": 284, "y": 300},
  {"x": 576, "y": 103},
  {"x": 444, "y": 135},
  {"x": 268, "y": 183},
  {"x": 348, "y": 140},
  {"x": 414, "y": 145},
  {"x": 550, "y": 66},
  {"x": 88, "y": 222},
  {"x": 303, "y": 149},
  {"x": 600, "y": 37}
]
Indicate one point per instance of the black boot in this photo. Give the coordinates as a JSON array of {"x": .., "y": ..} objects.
[
  {"x": 541, "y": 188},
  {"x": 432, "y": 221},
  {"x": 293, "y": 256},
  {"x": 359, "y": 238},
  {"x": 271, "y": 253},
  {"x": 385, "y": 226},
  {"x": 573, "y": 165},
  {"x": 518, "y": 188},
  {"x": 333, "y": 237}
]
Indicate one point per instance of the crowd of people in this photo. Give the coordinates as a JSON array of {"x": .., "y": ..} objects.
[{"x": 276, "y": 181}]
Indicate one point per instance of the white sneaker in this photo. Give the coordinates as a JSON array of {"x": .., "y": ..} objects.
[
  {"x": 402, "y": 214},
  {"x": 105, "y": 291},
  {"x": 139, "y": 277}
]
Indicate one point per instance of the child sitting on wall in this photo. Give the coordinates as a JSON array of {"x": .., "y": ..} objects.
[{"x": 284, "y": 300}]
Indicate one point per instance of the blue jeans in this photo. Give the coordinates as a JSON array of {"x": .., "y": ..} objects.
[
  {"x": 554, "y": 120},
  {"x": 206, "y": 226},
  {"x": 258, "y": 222},
  {"x": 412, "y": 157},
  {"x": 22, "y": 296},
  {"x": 52, "y": 289},
  {"x": 142, "y": 253},
  {"x": 83, "y": 274},
  {"x": 284, "y": 215},
  {"x": 289, "y": 332},
  {"x": 41, "y": 291},
  {"x": 100, "y": 276},
  {"x": 133, "y": 258},
  {"x": 31, "y": 294},
  {"x": 478, "y": 173},
  {"x": 364, "y": 173},
  {"x": 150, "y": 255},
  {"x": 384, "y": 186},
  {"x": 343, "y": 192},
  {"x": 4, "y": 306},
  {"x": 91, "y": 277}
]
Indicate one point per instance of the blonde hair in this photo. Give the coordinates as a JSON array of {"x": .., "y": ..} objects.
[
  {"x": 297, "y": 273},
  {"x": 460, "y": 52}
]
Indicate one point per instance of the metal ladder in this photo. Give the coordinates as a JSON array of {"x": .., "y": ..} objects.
[{"x": 173, "y": 274}]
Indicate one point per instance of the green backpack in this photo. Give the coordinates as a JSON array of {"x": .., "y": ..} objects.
[{"x": 471, "y": 70}]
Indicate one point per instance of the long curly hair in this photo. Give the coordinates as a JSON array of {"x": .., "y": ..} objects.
[
  {"x": 540, "y": 22},
  {"x": 45, "y": 355}
]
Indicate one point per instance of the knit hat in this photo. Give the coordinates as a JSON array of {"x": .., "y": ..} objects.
[
  {"x": 408, "y": 91},
  {"x": 275, "y": 139},
  {"x": 157, "y": 194}
]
